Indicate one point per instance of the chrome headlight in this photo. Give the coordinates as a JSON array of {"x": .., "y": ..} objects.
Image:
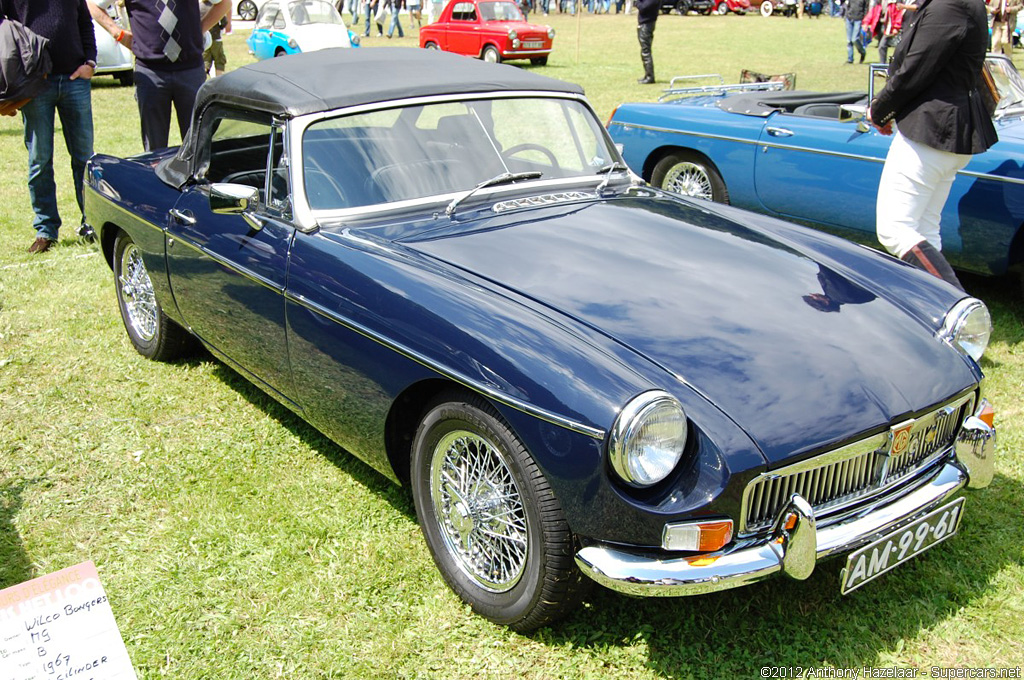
[
  {"x": 648, "y": 438},
  {"x": 551, "y": 33},
  {"x": 512, "y": 35},
  {"x": 968, "y": 327},
  {"x": 293, "y": 44}
]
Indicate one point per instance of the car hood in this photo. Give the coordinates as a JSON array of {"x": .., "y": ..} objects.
[
  {"x": 794, "y": 351},
  {"x": 520, "y": 27}
]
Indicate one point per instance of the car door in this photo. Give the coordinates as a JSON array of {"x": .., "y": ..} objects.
[
  {"x": 821, "y": 170},
  {"x": 228, "y": 271},
  {"x": 464, "y": 34}
]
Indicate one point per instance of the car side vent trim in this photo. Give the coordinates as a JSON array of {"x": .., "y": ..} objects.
[{"x": 546, "y": 199}]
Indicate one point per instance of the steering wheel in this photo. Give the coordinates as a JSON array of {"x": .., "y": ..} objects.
[{"x": 529, "y": 146}]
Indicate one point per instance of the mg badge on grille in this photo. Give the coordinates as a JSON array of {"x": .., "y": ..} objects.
[{"x": 900, "y": 438}]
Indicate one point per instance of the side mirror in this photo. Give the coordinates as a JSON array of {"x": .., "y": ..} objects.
[{"x": 233, "y": 199}]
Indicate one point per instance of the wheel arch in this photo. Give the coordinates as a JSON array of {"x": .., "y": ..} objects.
[{"x": 403, "y": 418}]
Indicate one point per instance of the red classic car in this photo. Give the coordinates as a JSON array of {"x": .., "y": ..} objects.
[{"x": 494, "y": 30}]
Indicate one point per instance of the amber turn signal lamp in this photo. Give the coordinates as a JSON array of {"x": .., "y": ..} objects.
[{"x": 987, "y": 414}]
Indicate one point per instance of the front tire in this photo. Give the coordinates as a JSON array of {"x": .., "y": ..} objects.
[
  {"x": 722, "y": 9},
  {"x": 691, "y": 175},
  {"x": 767, "y": 7},
  {"x": 431, "y": 45},
  {"x": 539, "y": 61},
  {"x": 491, "y": 55},
  {"x": 151, "y": 332},
  {"x": 492, "y": 524}
]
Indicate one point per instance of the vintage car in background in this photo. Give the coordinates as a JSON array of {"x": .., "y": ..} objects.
[
  {"x": 724, "y": 7},
  {"x": 580, "y": 377},
  {"x": 113, "y": 58},
  {"x": 293, "y": 26},
  {"x": 684, "y": 7},
  {"x": 810, "y": 157},
  {"x": 493, "y": 30}
]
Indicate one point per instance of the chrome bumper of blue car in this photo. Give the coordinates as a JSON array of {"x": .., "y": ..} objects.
[{"x": 795, "y": 550}]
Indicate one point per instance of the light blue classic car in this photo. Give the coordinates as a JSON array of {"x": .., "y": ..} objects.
[
  {"x": 810, "y": 157},
  {"x": 293, "y": 26}
]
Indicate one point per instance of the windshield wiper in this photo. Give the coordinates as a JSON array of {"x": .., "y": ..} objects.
[
  {"x": 503, "y": 178},
  {"x": 607, "y": 171}
]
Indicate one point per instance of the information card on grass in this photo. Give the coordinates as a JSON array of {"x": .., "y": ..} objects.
[{"x": 60, "y": 626}]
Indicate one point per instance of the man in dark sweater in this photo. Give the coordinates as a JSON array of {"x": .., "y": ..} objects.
[
  {"x": 68, "y": 26},
  {"x": 646, "y": 18},
  {"x": 167, "y": 40}
]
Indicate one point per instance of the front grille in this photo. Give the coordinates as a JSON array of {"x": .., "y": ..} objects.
[{"x": 838, "y": 479}]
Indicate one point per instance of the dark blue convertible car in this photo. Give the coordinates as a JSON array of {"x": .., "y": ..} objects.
[
  {"x": 579, "y": 377},
  {"x": 810, "y": 157}
]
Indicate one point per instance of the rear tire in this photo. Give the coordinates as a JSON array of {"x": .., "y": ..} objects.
[
  {"x": 125, "y": 78},
  {"x": 690, "y": 174},
  {"x": 152, "y": 333},
  {"x": 431, "y": 45},
  {"x": 539, "y": 61},
  {"x": 767, "y": 7},
  {"x": 247, "y": 10}
]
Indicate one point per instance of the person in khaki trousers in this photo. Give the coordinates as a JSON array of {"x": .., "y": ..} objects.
[{"x": 1004, "y": 22}]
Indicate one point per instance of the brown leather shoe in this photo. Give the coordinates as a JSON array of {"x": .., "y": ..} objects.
[{"x": 40, "y": 245}]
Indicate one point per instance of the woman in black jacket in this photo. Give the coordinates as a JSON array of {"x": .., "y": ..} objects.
[{"x": 932, "y": 97}]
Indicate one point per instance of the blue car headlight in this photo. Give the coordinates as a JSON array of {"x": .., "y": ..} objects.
[
  {"x": 968, "y": 327},
  {"x": 648, "y": 438}
]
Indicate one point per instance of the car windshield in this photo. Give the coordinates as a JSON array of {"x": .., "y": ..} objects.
[
  {"x": 1011, "y": 87},
  {"x": 414, "y": 152},
  {"x": 500, "y": 11},
  {"x": 306, "y": 12}
]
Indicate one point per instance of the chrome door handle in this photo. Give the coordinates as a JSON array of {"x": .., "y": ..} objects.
[
  {"x": 183, "y": 217},
  {"x": 779, "y": 132}
]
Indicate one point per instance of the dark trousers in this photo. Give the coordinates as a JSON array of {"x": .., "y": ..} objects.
[
  {"x": 156, "y": 92},
  {"x": 645, "y": 33}
]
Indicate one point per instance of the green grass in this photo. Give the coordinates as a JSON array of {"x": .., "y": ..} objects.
[{"x": 237, "y": 542}]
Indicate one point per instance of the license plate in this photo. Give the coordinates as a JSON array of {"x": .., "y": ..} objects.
[
  {"x": 892, "y": 550},
  {"x": 533, "y": 44}
]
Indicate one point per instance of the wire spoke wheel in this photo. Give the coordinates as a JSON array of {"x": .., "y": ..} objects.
[
  {"x": 688, "y": 179},
  {"x": 137, "y": 294},
  {"x": 492, "y": 523},
  {"x": 480, "y": 509},
  {"x": 689, "y": 174}
]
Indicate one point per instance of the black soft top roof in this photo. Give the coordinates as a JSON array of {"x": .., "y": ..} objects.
[
  {"x": 325, "y": 80},
  {"x": 329, "y": 79}
]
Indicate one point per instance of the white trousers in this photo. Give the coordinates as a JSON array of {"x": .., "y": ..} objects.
[{"x": 915, "y": 183}]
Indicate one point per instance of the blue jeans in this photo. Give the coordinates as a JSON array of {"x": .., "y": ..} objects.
[
  {"x": 394, "y": 24},
  {"x": 72, "y": 101},
  {"x": 852, "y": 38}
]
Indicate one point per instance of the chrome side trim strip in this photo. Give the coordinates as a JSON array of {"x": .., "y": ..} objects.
[
  {"x": 465, "y": 381},
  {"x": 790, "y": 147},
  {"x": 228, "y": 264}
]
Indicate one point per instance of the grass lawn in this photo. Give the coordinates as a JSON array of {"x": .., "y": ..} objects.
[{"x": 235, "y": 541}]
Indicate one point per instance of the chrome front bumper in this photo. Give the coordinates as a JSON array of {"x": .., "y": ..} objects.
[{"x": 795, "y": 543}]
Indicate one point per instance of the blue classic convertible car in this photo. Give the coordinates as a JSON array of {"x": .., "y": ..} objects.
[
  {"x": 810, "y": 157},
  {"x": 579, "y": 377}
]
